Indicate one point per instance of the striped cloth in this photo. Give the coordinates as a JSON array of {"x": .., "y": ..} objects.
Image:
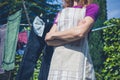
[
  {"x": 11, "y": 41},
  {"x": 71, "y": 61}
]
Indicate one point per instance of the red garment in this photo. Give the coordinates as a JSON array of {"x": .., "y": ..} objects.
[{"x": 22, "y": 37}]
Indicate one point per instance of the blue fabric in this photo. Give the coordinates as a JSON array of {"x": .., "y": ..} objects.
[
  {"x": 33, "y": 50},
  {"x": 46, "y": 59}
]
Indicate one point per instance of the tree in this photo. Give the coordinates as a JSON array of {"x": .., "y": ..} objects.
[
  {"x": 111, "y": 36},
  {"x": 96, "y": 38}
]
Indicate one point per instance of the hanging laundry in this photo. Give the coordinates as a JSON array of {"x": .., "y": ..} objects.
[
  {"x": 35, "y": 46},
  {"x": 21, "y": 50},
  {"x": 38, "y": 25},
  {"x": 22, "y": 37},
  {"x": 11, "y": 41},
  {"x": 22, "y": 41},
  {"x": 2, "y": 40}
]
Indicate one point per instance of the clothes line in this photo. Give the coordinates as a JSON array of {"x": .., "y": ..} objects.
[
  {"x": 25, "y": 24},
  {"x": 21, "y": 24},
  {"x": 97, "y": 29},
  {"x": 93, "y": 30},
  {"x": 25, "y": 9}
]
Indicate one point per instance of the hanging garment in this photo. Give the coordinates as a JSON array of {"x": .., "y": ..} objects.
[
  {"x": 31, "y": 55},
  {"x": 11, "y": 41},
  {"x": 71, "y": 61},
  {"x": 22, "y": 37},
  {"x": 2, "y": 42},
  {"x": 22, "y": 41},
  {"x": 39, "y": 26}
]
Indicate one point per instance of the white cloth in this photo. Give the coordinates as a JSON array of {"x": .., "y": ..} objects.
[
  {"x": 38, "y": 25},
  {"x": 71, "y": 61}
]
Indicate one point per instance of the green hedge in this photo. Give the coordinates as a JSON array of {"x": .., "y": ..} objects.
[{"x": 111, "y": 36}]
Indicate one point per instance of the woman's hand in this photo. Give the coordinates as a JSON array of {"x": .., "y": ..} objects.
[
  {"x": 51, "y": 41},
  {"x": 49, "y": 36}
]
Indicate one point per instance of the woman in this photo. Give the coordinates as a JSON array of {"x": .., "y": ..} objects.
[{"x": 71, "y": 59}]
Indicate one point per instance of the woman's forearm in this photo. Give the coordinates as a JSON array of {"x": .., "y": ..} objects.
[
  {"x": 75, "y": 33},
  {"x": 56, "y": 42},
  {"x": 68, "y": 35}
]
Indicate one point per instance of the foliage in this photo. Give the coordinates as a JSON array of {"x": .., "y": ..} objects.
[
  {"x": 111, "y": 69},
  {"x": 18, "y": 60},
  {"x": 35, "y": 7},
  {"x": 96, "y": 37}
]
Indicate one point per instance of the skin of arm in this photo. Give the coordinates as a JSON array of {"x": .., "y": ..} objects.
[
  {"x": 71, "y": 34},
  {"x": 50, "y": 40}
]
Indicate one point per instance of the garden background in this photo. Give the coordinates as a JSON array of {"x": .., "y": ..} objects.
[{"x": 104, "y": 40}]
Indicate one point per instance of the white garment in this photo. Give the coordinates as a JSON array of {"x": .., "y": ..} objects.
[
  {"x": 39, "y": 26},
  {"x": 71, "y": 61}
]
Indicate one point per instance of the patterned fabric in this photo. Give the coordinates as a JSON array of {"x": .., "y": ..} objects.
[
  {"x": 92, "y": 10},
  {"x": 71, "y": 61},
  {"x": 11, "y": 41},
  {"x": 69, "y": 17}
]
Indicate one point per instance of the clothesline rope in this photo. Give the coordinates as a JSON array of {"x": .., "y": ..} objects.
[
  {"x": 25, "y": 9},
  {"x": 103, "y": 27},
  {"x": 93, "y": 30}
]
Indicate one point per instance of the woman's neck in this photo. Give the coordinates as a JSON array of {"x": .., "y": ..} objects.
[{"x": 75, "y": 3}]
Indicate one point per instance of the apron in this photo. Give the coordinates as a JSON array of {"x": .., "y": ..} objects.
[{"x": 71, "y": 61}]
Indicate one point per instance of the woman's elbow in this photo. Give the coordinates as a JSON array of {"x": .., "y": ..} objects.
[
  {"x": 51, "y": 43},
  {"x": 79, "y": 35}
]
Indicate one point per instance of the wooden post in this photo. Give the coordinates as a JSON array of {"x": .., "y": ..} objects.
[{"x": 26, "y": 13}]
